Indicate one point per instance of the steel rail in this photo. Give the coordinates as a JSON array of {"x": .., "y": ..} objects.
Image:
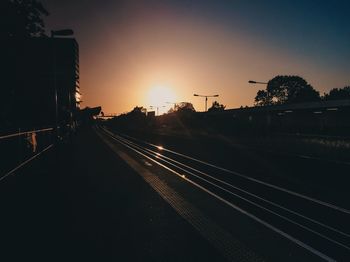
[
  {"x": 263, "y": 222},
  {"x": 291, "y": 192},
  {"x": 25, "y": 133},
  {"x": 159, "y": 156},
  {"x": 25, "y": 162}
]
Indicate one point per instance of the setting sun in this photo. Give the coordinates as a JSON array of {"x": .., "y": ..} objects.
[{"x": 159, "y": 96}]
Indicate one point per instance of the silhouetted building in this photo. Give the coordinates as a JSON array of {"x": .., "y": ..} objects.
[
  {"x": 324, "y": 117},
  {"x": 151, "y": 114},
  {"x": 35, "y": 70},
  {"x": 88, "y": 114}
]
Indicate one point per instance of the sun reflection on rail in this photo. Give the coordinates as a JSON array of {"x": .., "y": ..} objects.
[{"x": 220, "y": 188}]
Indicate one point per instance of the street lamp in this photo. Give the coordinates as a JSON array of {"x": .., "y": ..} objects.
[
  {"x": 64, "y": 32},
  {"x": 206, "y": 99},
  {"x": 172, "y": 103},
  {"x": 262, "y": 83},
  {"x": 256, "y": 82},
  {"x": 157, "y": 108}
]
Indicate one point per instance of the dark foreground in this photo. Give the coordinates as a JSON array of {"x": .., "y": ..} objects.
[
  {"x": 106, "y": 197},
  {"x": 89, "y": 205}
]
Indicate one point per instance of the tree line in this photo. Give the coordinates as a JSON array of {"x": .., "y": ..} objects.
[
  {"x": 286, "y": 89},
  {"x": 22, "y": 18}
]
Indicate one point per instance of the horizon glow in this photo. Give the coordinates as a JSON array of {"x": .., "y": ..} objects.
[{"x": 129, "y": 47}]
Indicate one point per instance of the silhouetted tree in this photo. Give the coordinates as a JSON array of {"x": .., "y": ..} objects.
[
  {"x": 185, "y": 107},
  {"x": 22, "y": 18},
  {"x": 135, "y": 119},
  {"x": 171, "y": 110},
  {"x": 216, "y": 107},
  {"x": 338, "y": 93},
  {"x": 286, "y": 89},
  {"x": 18, "y": 19},
  {"x": 138, "y": 110},
  {"x": 262, "y": 98}
]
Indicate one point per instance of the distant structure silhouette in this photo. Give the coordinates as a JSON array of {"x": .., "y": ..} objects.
[
  {"x": 40, "y": 74},
  {"x": 42, "y": 82}
]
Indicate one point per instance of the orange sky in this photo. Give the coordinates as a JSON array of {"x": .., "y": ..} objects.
[{"x": 126, "y": 57}]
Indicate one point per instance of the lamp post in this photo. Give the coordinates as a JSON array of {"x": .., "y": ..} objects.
[
  {"x": 157, "y": 107},
  {"x": 206, "y": 99},
  {"x": 172, "y": 103},
  {"x": 64, "y": 32},
  {"x": 262, "y": 83},
  {"x": 268, "y": 117},
  {"x": 256, "y": 82}
]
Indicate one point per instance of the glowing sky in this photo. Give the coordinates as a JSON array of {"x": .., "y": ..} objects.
[{"x": 128, "y": 48}]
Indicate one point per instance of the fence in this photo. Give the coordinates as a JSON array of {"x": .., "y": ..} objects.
[{"x": 19, "y": 148}]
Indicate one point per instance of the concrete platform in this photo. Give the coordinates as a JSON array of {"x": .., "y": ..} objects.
[{"x": 82, "y": 202}]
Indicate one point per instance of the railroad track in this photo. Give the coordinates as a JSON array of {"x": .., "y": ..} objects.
[{"x": 319, "y": 227}]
